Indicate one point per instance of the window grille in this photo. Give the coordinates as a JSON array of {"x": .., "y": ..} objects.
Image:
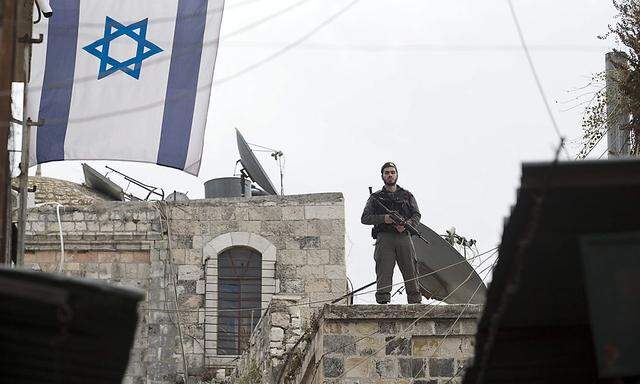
[{"x": 239, "y": 298}]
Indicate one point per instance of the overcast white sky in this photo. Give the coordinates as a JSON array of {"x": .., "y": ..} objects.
[{"x": 442, "y": 88}]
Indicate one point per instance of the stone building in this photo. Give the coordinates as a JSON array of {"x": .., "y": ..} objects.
[
  {"x": 209, "y": 267},
  {"x": 238, "y": 289}
]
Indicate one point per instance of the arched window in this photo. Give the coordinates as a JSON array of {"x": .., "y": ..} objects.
[{"x": 239, "y": 298}]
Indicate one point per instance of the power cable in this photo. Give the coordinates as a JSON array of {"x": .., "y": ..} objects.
[
  {"x": 289, "y": 46},
  {"x": 518, "y": 265},
  {"x": 161, "y": 206},
  {"x": 341, "y": 297},
  {"x": 185, "y": 50},
  {"x": 536, "y": 77},
  {"x": 374, "y": 333},
  {"x": 417, "y": 47},
  {"x": 159, "y": 20},
  {"x": 406, "y": 330},
  {"x": 450, "y": 331}
]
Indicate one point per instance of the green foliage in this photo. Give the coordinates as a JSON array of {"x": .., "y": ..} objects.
[
  {"x": 251, "y": 375},
  {"x": 626, "y": 75}
]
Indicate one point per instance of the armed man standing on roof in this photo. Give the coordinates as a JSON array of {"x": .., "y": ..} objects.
[{"x": 393, "y": 242}]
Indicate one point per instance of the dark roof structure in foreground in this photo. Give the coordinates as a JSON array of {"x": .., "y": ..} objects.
[{"x": 563, "y": 306}]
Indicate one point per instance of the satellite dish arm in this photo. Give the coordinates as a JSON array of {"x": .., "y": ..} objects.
[{"x": 398, "y": 219}]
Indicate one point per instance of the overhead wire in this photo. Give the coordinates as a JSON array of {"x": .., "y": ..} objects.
[
  {"x": 490, "y": 269},
  {"x": 329, "y": 300},
  {"x": 355, "y": 342},
  {"x": 406, "y": 330},
  {"x": 188, "y": 49},
  {"x": 507, "y": 294},
  {"x": 536, "y": 77}
]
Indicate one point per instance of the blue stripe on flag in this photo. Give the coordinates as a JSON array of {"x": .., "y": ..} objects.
[
  {"x": 183, "y": 83},
  {"x": 57, "y": 86}
]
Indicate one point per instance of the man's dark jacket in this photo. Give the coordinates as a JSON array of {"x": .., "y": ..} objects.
[{"x": 401, "y": 201}]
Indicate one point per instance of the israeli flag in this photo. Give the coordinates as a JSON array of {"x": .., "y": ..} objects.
[{"x": 124, "y": 80}]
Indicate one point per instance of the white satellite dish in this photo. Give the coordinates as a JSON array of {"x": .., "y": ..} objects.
[{"x": 252, "y": 166}]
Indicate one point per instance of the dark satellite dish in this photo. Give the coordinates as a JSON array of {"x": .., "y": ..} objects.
[
  {"x": 96, "y": 181},
  {"x": 252, "y": 166},
  {"x": 439, "y": 254}
]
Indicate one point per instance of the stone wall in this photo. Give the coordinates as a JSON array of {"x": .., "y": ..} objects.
[
  {"x": 127, "y": 244},
  {"x": 363, "y": 344},
  {"x": 275, "y": 339}
]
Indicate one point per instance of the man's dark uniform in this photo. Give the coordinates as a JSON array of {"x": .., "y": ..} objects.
[{"x": 393, "y": 246}]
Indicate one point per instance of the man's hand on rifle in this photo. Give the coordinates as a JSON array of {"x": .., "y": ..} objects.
[
  {"x": 399, "y": 228},
  {"x": 388, "y": 219}
]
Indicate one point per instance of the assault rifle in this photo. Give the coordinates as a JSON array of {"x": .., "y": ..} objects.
[{"x": 397, "y": 218}]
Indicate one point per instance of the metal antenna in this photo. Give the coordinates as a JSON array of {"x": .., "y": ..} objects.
[{"x": 149, "y": 188}]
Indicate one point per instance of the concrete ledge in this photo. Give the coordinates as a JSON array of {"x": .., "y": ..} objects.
[{"x": 402, "y": 312}]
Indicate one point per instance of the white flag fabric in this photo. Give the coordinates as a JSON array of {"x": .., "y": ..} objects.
[{"x": 124, "y": 80}]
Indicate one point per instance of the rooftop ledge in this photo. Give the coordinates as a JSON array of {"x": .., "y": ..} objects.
[{"x": 403, "y": 311}]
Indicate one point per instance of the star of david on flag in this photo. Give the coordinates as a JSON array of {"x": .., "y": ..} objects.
[
  {"x": 124, "y": 80},
  {"x": 114, "y": 30}
]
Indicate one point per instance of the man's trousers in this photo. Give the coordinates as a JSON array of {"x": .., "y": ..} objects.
[{"x": 392, "y": 248}]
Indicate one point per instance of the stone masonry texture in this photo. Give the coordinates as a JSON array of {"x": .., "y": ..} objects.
[
  {"x": 126, "y": 243},
  {"x": 385, "y": 344}
]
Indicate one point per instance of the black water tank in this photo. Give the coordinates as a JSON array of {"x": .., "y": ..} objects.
[{"x": 227, "y": 187}]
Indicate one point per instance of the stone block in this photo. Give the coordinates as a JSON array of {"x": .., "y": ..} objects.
[
  {"x": 318, "y": 256},
  {"x": 317, "y": 285},
  {"x": 335, "y": 272},
  {"x": 104, "y": 271},
  {"x": 308, "y": 242},
  {"x": 292, "y": 286},
  {"x": 276, "y": 334},
  {"x": 311, "y": 271},
  {"x": 131, "y": 271},
  {"x": 363, "y": 328},
  {"x": 106, "y": 227},
  {"x": 265, "y": 213},
  {"x": 193, "y": 256},
  {"x": 440, "y": 367},
  {"x": 386, "y": 368},
  {"x": 339, "y": 286},
  {"x": 372, "y": 345},
  {"x": 332, "y": 367},
  {"x": 292, "y": 257},
  {"x": 446, "y": 327},
  {"x": 200, "y": 287},
  {"x": 280, "y": 319},
  {"x": 468, "y": 327},
  {"x": 143, "y": 271},
  {"x": 360, "y": 367},
  {"x": 452, "y": 346},
  {"x": 323, "y": 212},
  {"x": 277, "y": 352},
  {"x": 292, "y": 213},
  {"x": 190, "y": 272},
  {"x": 251, "y": 226},
  {"x": 412, "y": 367},
  {"x": 343, "y": 344},
  {"x": 397, "y": 346}
]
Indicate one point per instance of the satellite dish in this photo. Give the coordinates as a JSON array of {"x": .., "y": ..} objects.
[
  {"x": 252, "y": 166},
  {"x": 461, "y": 277},
  {"x": 177, "y": 196},
  {"x": 96, "y": 181}
]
